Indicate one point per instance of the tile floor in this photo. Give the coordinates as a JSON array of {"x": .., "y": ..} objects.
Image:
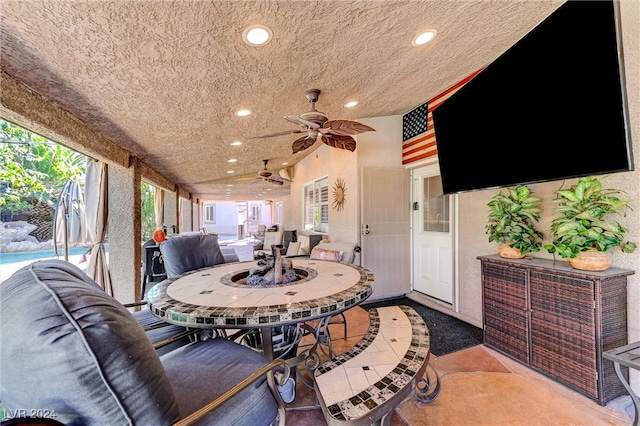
[{"x": 479, "y": 387}]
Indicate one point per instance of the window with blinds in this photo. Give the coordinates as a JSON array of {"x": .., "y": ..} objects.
[
  {"x": 316, "y": 205},
  {"x": 210, "y": 213}
]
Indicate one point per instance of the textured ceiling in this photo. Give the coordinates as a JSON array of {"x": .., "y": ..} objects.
[{"x": 163, "y": 78}]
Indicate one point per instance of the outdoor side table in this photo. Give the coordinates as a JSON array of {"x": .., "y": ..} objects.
[{"x": 628, "y": 356}]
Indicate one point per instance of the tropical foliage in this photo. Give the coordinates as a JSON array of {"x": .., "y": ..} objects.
[
  {"x": 148, "y": 211},
  {"x": 512, "y": 219},
  {"x": 33, "y": 168},
  {"x": 582, "y": 222}
]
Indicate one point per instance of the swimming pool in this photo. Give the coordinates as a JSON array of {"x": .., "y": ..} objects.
[{"x": 22, "y": 256}]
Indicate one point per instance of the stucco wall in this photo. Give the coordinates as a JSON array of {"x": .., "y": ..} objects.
[
  {"x": 124, "y": 231},
  {"x": 170, "y": 210},
  {"x": 334, "y": 163}
]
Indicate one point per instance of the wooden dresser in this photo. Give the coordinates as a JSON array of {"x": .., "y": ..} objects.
[{"x": 557, "y": 320}]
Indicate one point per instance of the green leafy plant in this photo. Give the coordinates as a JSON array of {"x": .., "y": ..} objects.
[
  {"x": 512, "y": 219},
  {"x": 583, "y": 224},
  {"x": 33, "y": 168}
]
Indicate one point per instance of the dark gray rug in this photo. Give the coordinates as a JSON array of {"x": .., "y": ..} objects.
[{"x": 447, "y": 334}]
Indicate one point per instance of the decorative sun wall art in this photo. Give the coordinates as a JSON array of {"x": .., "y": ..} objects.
[{"x": 339, "y": 190}]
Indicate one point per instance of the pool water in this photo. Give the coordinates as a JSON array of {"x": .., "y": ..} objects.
[
  {"x": 11, "y": 262},
  {"x": 23, "y": 256}
]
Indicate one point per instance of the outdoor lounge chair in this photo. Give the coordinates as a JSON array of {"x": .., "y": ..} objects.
[{"x": 80, "y": 357}]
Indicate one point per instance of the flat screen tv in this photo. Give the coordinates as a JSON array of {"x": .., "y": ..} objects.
[{"x": 551, "y": 107}]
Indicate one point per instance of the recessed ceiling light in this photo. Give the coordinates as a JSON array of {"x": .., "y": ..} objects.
[
  {"x": 425, "y": 37},
  {"x": 236, "y": 143},
  {"x": 243, "y": 112},
  {"x": 232, "y": 160},
  {"x": 230, "y": 171},
  {"x": 257, "y": 35},
  {"x": 351, "y": 104}
]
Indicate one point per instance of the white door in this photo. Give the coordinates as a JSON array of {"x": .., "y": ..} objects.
[
  {"x": 385, "y": 229},
  {"x": 433, "y": 234}
]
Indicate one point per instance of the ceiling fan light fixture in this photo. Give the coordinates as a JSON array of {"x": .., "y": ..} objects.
[
  {"x": 424, "y": 37},
  {"x": 351, "y": 104},
  {"x": 257, "y": 35}
]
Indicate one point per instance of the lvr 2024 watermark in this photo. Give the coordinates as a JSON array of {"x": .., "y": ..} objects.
[{"x": 7, "y": 413}]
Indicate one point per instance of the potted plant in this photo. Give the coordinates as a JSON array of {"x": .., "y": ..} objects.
[
  {"x": 583, "y": 231},
  {"x": 512, "y": 222}
]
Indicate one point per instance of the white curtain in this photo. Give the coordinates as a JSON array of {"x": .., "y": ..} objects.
[
  {"x": 96, "y": 203},
  {"x": 159, "y": 206}
]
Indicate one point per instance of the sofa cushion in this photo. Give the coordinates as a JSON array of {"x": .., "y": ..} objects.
[
  {"x": 158, "y": 334},
  {"x": 190, "y": 252},
  {"x": 304, "y": 244},
  {"x": 308, "y": 242},
  {"x": 198, "y": 381},
  {"x": 293, "y": 249},
  {"x": 68, "y": 346}
]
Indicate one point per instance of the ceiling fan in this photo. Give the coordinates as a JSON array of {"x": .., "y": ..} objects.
[
  {"x": 335, "y": 133},
  {"x": 265, "y": 175}
]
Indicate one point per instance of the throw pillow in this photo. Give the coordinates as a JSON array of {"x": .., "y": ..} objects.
[
  {"x": 293, "y": 248},
  {"x": 322, "y": 254}
]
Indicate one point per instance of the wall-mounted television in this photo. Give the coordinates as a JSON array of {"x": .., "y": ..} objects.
[{"x": 551, "y": 107}]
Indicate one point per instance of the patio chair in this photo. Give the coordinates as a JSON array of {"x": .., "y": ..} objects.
[
  {"x": 190, "y": 252},
  {"x": 259, "y": 235},
  {"x": 343, "y": 252},
  {"x": 270, "y": 238},
  {"x": 80, "y": 357}
]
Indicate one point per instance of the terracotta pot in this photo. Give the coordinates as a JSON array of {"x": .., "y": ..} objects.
[
  {"x": 590, "y": 260},
  {"x": 509, "y": 252}
]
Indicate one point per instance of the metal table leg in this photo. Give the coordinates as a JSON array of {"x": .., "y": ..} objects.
[{"x": 634, "y": 397}]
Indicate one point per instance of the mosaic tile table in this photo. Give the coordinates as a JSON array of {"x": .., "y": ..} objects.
[{"x": 212, "y": 298}]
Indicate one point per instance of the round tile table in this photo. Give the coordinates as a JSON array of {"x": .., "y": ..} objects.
[{"x": 211, "y": 297}]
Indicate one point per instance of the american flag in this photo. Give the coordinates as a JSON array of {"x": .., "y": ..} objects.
[{"x": 418, "y": 135}]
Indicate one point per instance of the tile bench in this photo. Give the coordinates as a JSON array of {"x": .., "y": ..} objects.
[{"x": 365, "y": 384}]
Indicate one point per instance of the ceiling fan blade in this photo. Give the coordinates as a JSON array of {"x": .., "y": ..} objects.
[
  {"x": 288, "y": 132},
  {"x": 345, "y": 127},
  {"x": 303, "y": 143},
  {"x": 274, "y": 181},
  {"x": 340, "y": 141},
  {"x": 279, "y": 179},
  {"x": 301, "y": 121}
]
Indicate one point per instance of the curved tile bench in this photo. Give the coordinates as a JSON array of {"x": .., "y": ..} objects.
[{"x": 365, "y": 384}]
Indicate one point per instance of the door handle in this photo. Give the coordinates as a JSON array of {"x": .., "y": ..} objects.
[{"x": 364, "y": 229}]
